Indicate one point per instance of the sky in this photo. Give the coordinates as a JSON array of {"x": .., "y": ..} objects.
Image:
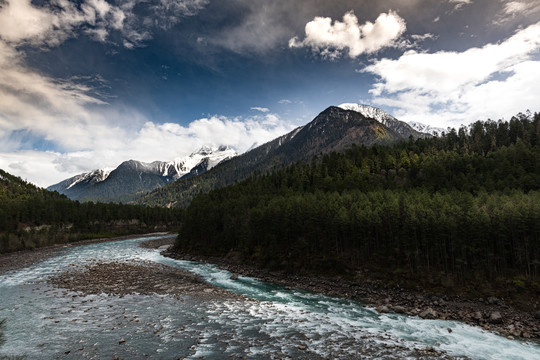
[{"x": 87, "y": 84}]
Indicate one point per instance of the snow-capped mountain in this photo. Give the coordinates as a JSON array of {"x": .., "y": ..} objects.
[
  {"x": 132, "y": 178},
  {"x": 381, "y": 116},
  {"x": 426, "y": 129}
]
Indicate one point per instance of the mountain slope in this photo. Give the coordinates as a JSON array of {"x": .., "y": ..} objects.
[
  {"x": 334, "y": 129},
  {"x": 31, "y": 217},
  {"x": 133, "y": 178}
]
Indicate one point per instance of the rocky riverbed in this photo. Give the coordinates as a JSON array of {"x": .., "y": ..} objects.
[
  {"x": 135, "y": 277},
  {"x": 491, "y": 314}
]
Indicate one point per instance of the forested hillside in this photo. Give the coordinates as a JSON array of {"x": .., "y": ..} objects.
[
  {"x": 32, "y": 217},
  {"x": 334, "y": 129},
  {"x": 464, "y": 206}
]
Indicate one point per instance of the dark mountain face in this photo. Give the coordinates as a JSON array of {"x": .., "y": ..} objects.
[
  {"x": 335, "y": 129},
  {"x": 129, "y": 180}
]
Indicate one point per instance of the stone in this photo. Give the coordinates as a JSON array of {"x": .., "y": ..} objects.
[
  {"x": 383, "y": 309},
  {"x": 429, "y": 313},
  {"x": 493, "y": 300},
  {"x": 477, "y": 315},
  {"x": 234, "y": 277},
  {"x": 121, "y": 341},
  {"x": 496, "y": 318}
]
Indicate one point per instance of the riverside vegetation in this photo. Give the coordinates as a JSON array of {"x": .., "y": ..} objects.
[
  {"x": 459, "y": 213},
  {"x": 32, "y": 217}
]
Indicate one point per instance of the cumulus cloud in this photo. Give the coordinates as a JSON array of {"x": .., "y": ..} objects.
[
  {"x": 491, "y": 81},
  {"x": 331, "y": 40},
  {"x": 261, "y": 109}
]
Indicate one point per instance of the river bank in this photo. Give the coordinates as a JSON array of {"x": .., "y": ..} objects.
[
  {"x": 117, "y": 278},
  {"x": 492, "y": 314},
  {"x": 20, "y": 259}
]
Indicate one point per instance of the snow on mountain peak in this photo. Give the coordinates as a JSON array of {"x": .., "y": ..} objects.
[
  {"x": 214, "y": 155},
  {"x": 426, "y": 129},
  {"x": 97, "y": 175},
  {"x": 369, "y": 111},
  {"x": 385, "y": 118}
]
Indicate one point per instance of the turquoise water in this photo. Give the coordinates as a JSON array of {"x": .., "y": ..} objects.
[{"x": 271, "y": 323}]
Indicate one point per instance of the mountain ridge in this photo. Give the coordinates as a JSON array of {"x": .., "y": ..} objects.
[
  {"x": 132, "y": 178},
  {"x": 334, "y": 129}
]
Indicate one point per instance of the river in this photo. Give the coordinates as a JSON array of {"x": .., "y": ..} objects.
[{"x": 271, "y": 323}]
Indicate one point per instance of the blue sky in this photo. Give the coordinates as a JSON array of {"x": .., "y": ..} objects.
[{"x": 90, "y": 83}]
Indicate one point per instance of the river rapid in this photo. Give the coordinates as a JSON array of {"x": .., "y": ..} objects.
[{"x": 271, "y": 322}]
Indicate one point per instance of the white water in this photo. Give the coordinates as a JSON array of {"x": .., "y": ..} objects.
[{"x": 272, "y": 323}]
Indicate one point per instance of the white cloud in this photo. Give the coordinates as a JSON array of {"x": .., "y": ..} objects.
[
  {"x": 331, "y": 40},
  {"x": 21, "y": 21},
  {"x": 149, "y": 143},
  {"x": 492, "y": 81},
  {"x": 261, "y": 109},
  {"x": 513, "y": 7},
  {"x": 34, "y": 166},
  {"x": 460, "y": 3},
  {"x": 516, "y": 10}
]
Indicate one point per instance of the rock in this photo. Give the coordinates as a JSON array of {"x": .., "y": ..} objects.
[
  {"x": 383, "y": 309},
  {"x": 429, "y": 313},
  {"x": 399, "y": 309},
  {"x": 122, "y": 340},
  {"x": 449, "y": 330},
  {"x": 496, "y": 318},
  {"x": 234, "y": 277},
  {"x": 537, "y": 315},
  {"x": 477, "y": 316},
  {"x": 302, "y": 347},
  {"x": 492, "y": 300}
]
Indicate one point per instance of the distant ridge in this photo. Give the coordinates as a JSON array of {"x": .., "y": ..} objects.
[
  {"x": 334, "y": 129},
  {"x": 133, "y": 178}
]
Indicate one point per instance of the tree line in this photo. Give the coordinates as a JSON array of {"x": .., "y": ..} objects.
[
  {"x": 32, "y": 217},
  {"x": 465, "y": 205}
]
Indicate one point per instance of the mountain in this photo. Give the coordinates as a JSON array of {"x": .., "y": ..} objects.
[
  {"x": 426, "y": 129},
  {"x": 133, "y": 178},
  {"x": 334, "y": 129},
  {"x": 13, "y": 187},
  {"x": 381, "y": 116}
]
